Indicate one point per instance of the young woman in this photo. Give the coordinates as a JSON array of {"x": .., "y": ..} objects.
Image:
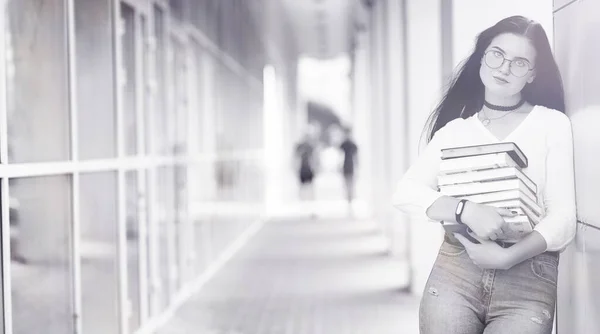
[{"x": 508, "y": 90}]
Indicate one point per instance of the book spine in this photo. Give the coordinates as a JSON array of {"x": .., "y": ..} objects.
[
  {"x": 509, "y": 148},
  {"x": 528, "y": 181}
]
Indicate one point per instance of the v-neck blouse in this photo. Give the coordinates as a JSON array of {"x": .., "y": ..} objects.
[
  {"x": 515, "y": 130},
  {"x": 544, "y": 136}
]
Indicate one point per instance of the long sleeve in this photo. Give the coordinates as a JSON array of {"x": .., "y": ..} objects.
[
  {"x": 417, "y": 189},
  {"x": 558, "y": 226}
]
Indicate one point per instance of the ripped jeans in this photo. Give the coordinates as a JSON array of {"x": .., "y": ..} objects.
[{"x": 461, "y": 298}]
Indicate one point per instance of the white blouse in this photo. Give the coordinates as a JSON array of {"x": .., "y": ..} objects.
[{"x": 544, "y": 136}]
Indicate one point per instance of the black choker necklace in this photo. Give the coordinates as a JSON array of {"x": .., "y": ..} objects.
[{"x": 503, "y": 108}]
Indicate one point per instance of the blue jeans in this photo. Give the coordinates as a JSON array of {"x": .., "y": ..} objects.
[{"x": 461, "y": 298}]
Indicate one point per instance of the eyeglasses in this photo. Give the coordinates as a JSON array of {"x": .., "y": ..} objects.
[{"x": 518, "y": 67}]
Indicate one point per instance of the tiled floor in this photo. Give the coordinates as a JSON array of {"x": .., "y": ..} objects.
[{"x": 304, "y": 277}]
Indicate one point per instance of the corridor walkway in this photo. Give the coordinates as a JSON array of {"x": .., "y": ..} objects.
[{"x": 295, "y": 276}]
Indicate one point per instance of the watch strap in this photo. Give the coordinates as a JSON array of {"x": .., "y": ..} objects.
[{"x": 460, "y": 207}]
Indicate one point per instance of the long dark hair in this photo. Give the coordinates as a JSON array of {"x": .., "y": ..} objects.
[{"x": 465, "y": 94}]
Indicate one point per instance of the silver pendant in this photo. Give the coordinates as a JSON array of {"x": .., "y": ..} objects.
[{"x": 486, "y": 122}]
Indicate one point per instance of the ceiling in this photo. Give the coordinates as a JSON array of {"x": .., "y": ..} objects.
[{"x": 324, "y": 28}]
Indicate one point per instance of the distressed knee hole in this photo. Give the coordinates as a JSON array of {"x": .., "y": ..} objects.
[
  {"x": 547, "y": 314},
  {"x": 539, "y": 321}
]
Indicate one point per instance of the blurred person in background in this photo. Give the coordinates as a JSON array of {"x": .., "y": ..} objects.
[
  {"x": 508, "y": 90},
  {"x": 306, "y": 157},
  {"x": 350, "y": 150}
]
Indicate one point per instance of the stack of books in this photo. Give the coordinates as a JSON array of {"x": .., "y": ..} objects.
[{"x": 492, "y": 175}]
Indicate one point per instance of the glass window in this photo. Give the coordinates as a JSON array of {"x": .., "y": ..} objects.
[
  {"x": 37, "y": 90},
  {"x": 95, "y": 81},
  {"x": 99, "y": 257},
  {"x": 202, "y": 205},
  {"x": 165, "y": 215},
  {"x": 128, "y": 80},
  {"x": 133, "y": 197},
  {"x": 147, "y": 90},
  {"x": 202, "y": 255},
  {"x": 184, "y": 238},
  {"x": 179, "y": 71},
  {"x": 160, "y": 131},
  {"x": 42, "y": 287},
  {"x": 155, "y": 290},
  {"x": 3, "y": 203},
  {"x": 213, "y": 12},
  {"x": 195, "y": 98},
  {"x": 208, "y": 114}
]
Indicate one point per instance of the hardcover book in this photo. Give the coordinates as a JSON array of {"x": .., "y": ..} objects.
[
  {"x": 466, "y": 151},
  {"x": 504, "y": 173},
  {"x": 476, "y": 163},
  {"x": 483, "y": 187},
  {"x": 506, "y": 195}
]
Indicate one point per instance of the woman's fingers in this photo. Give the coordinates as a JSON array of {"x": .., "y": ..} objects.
[{"x": 506, "y": 212}]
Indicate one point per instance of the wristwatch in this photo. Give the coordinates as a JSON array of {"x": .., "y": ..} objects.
[{"x": 459, "y": 210}]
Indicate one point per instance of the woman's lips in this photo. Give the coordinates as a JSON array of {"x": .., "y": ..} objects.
[{"x": 500, "y": 80}]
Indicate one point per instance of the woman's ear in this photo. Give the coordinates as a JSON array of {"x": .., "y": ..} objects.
[{"x": 531, "y": 78}]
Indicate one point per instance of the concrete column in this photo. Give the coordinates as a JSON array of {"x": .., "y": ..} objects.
[
  {"x": 381, "y": 111},
  {"x": 396, "y": 122},
  {"x": 376, "y": 115},
  {"x": 380, "y": 114},
  {"x": 424, "y": 73},
  {"x": 272, "y": 139},
  {"x": 285, "y": 145},
  {"x": 278, "y": 106}
]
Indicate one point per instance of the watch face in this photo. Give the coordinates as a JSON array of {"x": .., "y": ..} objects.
[{"x": 459, "y": 207}]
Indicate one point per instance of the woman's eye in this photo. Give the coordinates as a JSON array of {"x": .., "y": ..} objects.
[
  {"x": 520, "y": 63},
  {"x": 498, "y": 54}
]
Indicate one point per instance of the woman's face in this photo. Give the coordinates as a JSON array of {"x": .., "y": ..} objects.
[{"x": 507, "y": 64}]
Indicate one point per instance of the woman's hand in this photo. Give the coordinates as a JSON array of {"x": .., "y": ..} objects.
[
  {"x": 486, "y": 221},
  {"x": 487, "y": 254}
]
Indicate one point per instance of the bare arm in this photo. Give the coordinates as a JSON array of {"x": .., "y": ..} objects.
[
  {"x": 530, "y": 246},
  {"x": 443, "y": 209},
  {"x": 489, "y": 255},
  {"x": 558, "y": 226}
]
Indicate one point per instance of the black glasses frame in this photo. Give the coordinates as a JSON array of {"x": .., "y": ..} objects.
[{"x": 510, "y": 62}]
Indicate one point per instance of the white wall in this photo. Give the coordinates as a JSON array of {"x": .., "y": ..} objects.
[{"x": 577, "y": 45}]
